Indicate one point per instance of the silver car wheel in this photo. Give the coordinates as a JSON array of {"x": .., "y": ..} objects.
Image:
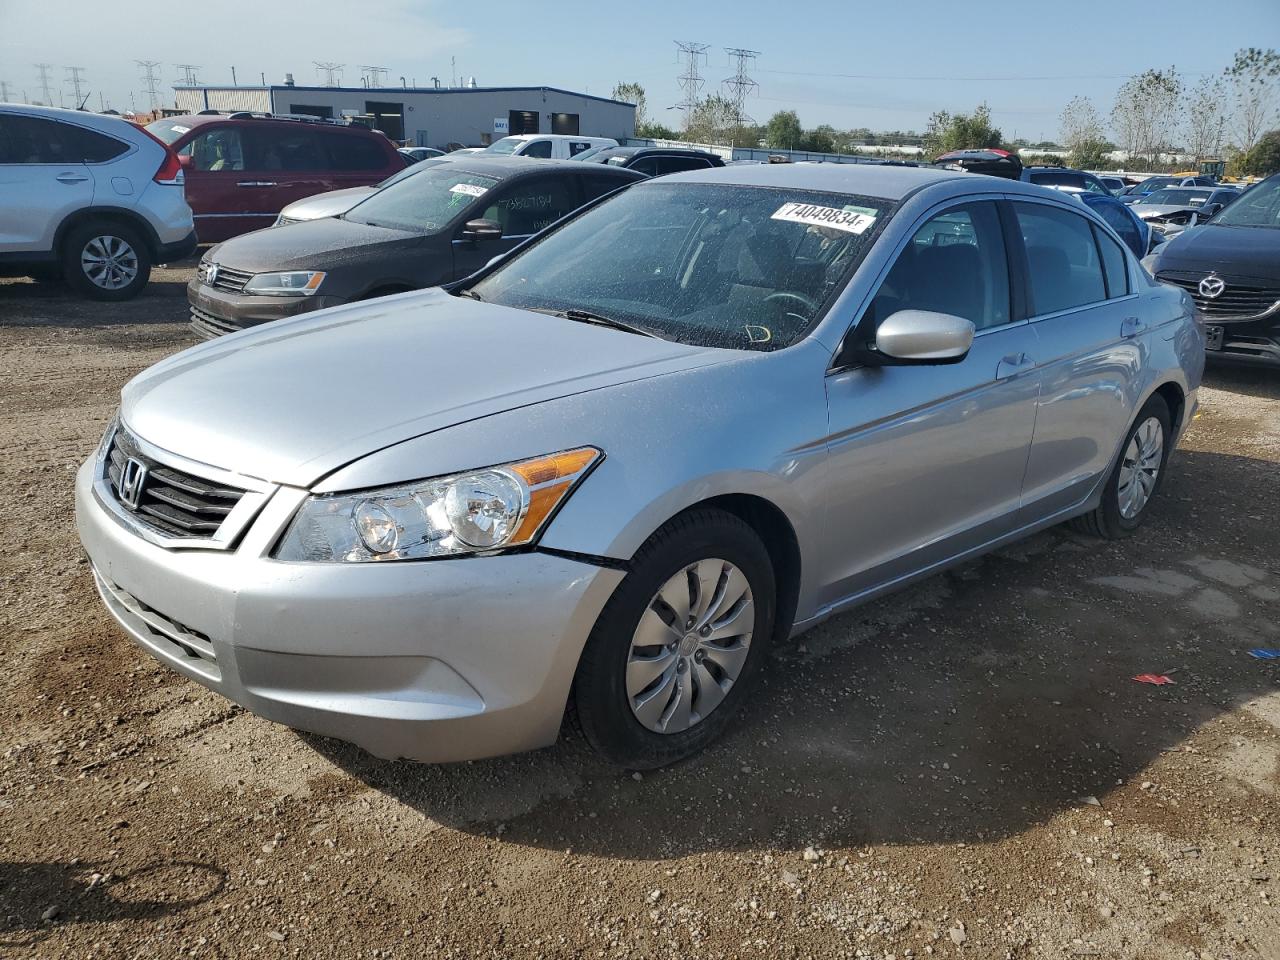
[
  {"x": 109, "y": 262},
  {"x": 690, "y": 646},
  {"x": 1140, "y": 467}
]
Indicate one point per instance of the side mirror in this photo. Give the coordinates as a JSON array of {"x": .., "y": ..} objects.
[
  {"x": 477, "y": 230},
  {"x": 922, "y": 336}
]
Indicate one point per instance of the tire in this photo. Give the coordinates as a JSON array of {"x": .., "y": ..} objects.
[
  {"x": 106, "y": 260},
  {"x": 691, "y": 667},
  {"x": 1117, "y": 516}
]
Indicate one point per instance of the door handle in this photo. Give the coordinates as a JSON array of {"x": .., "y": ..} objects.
[
  {"x": 257, "y": 183},
  {"x": 1012, "y": 365},
  {"x": 71, "y": 177},
  {"x": 1130, "y": 327}
]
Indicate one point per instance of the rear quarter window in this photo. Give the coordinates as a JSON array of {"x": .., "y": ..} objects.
[
  {"x": 349, "y": 152},
  {"x": 38, "y": 140}
]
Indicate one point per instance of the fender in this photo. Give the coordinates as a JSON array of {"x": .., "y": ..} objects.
[{"x": 108, "y": 210}]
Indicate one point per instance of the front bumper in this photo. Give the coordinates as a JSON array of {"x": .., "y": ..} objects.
[
  {"x": 1256, "y": 342},
  {"x": 215, "y": 312},
  {"x": 435, "y": 661}
]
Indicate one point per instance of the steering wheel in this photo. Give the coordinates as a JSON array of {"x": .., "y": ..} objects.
[{"x": 784, "y": 295}]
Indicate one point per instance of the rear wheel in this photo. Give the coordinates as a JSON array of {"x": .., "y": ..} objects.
[
  {"x": 1136, "y": 477},
  {"x": 678, "y": 647},
  {"x": 106, "y": 260}
]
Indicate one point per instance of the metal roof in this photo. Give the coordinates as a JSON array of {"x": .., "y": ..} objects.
[{"x": 371, "y": 92}]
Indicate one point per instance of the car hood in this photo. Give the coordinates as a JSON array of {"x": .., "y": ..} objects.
[
  {"x": 326, "y": 204},
  {"x": 292, "y": 401},
  {"x": 313, "y": 244},
  {"x": 1145, "y": 210},
  {"x": 1238, "y": 251}
]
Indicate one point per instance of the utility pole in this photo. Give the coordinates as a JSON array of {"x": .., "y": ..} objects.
[
  {"x": 189, "y": 73},
  {"x": 453, "y": 65},
  {"x": 43, "y": 70},
  {"x": 332, "y": 72},
  {"x": 740, "y": 85},
  {"x": 151, "y": 80},
  {"x": 75, "y": 78},
  {"x": 374, "y": 76},
  {"x": 690, "y": 80},
  {"x": 4, "y": 91},
  {"x": 233, "y": 77}
]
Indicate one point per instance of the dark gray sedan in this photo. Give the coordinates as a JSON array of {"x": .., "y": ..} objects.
[{"x": 434, "y": 227}]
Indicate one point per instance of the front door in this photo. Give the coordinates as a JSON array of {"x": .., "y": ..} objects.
[
  {"x": 224, "y": 195},
  {"x": 1092, "y": 347},
  {"x": 927, "y": 461},
  {"x": 522, "y": 209}
]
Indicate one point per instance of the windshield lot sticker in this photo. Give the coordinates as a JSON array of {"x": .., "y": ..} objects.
[
  {"x": 849, "y": 220},
  {"x": 470, "y": 189}
]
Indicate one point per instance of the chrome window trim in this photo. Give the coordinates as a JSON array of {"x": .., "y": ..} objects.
[{"x": 256, "y": 494}]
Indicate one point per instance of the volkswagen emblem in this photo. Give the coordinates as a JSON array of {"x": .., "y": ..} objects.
[
  {"x": 132, "y": 479},
  {"x": 1212, "y": 287},
  {"x": 211, "y": 275}
]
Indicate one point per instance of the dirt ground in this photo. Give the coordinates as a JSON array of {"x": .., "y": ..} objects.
[{"x": 965, "y": 769}]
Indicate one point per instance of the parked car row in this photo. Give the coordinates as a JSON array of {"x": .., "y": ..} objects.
[{"x": 690, "y": 418}]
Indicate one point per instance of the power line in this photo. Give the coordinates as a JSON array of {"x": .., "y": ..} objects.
[
  {"x": 151, "y": 80},
  {"x": 740, "y": 85},
  {"x": 189, "y": 73},
  {"x": 332, "y": 72},
  {"x": 43, "y": 70},
  {"x": 690, "y": 80},
  {"x": 993, "y": 79},
  {"x": 75, "y": 78}
]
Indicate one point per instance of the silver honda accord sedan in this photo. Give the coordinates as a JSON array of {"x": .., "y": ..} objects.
[{"x": 689, "y": 421}]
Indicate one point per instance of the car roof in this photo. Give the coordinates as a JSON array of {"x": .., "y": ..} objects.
[
  {"x": 99, "y": 121},
  {"x": 196, "y": 119},
  {"x": 868, "y": 179},
  {"x": 506, "y": 167}
]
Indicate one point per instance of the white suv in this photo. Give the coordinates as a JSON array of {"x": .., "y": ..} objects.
[
  {"x": 89, "y": 198},
  {"x": 548, "y": 146}
]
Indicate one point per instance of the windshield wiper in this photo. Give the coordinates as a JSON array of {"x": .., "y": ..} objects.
[
  {"x": 470, "y": 295},
  {"x": 599, "y": 320}
]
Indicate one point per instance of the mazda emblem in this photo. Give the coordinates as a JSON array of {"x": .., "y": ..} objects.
[
  {"x": 132, "y": 479},
  {"x": 1212, "y": 287}
]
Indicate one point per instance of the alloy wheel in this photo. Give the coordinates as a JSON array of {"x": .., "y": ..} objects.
[
  {"x": 1140, "y": 467},
  {"x": 109, "y": 262},
  {"x": 690, "y": 646}
]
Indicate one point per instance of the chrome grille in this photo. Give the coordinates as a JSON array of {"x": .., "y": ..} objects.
[
  {"x": 224, "y": 278},
  {"x": 170, "y": 501},
  {"x": 1239, "y": 300}
]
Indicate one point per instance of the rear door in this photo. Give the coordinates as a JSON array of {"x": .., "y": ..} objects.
[
  {"x": 1092, "y": 347},
  {"x": 356, "y": 158},
  {"x": 44, "y": 178},
  {"x": 284, "y": 162},
  {"x": 522, "y": 208}
]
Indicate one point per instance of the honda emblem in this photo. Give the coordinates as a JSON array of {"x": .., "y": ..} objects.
[{"x": 132, "y": 479}]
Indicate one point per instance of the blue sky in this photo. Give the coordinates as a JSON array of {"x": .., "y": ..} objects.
[{"x": 899, "y": 61}]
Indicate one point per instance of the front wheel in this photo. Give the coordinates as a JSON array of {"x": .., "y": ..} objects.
[
  {"x": 1136, "y": 477},
  {"x": 678, "y": 646}
]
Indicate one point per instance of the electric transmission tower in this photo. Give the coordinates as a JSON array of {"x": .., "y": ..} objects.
[
  {"x": 374, "y": 76},
  {"x": 4, "y": 91},
  {"x": 189, "y": 73},
  {"x": 739, "y": 86},
  {"x": 332, "y": 72},
  {"x": 43, "y": 70},
  {"x": 151, "y": 80},
  {"x": 76, "y": 79},
  {"x": 690, "y": 80}
]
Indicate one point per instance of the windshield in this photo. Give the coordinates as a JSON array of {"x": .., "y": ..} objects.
[
  {"x": 411, "y": 170},
  {"x": 1257, "y": 207},
  {"x": 424, "y": 201},
  {"x": 1151, "y": 184},
  {"x": 1178, "y": 198},
  {"x": 167, "y": 130},
  {"x": 507, "y": 145},
  {"x": 710, "y": 264}
]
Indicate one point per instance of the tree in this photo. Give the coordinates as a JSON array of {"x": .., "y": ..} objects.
[
  {"x": 1254, "y": 81},
  {"x": 821, "y": 139},
  {"x": 1264, "y": 159},
  {"x": 713, "y": 120},
  {"x": 1145, "y": 114},
  {"x": 633, "y": 93},
  {"x": 1080, "y": 123},
  {"x": 1206, "y": 118},
  {"x": 783, "y": 131},
  {"x": 652, "y": 130},
  {"x": 972, "y": 131}
]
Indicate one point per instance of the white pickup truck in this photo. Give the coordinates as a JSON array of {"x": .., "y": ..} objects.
[{"x": 551, "y": 146}]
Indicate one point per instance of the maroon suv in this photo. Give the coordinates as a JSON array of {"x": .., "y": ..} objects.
[{"x": 243, "y": 169}]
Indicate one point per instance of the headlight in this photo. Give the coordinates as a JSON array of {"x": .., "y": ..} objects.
[
  {"x": 1150, "y": 261},
  {"x": 291, "y": 283},
  {"x": 477, "y": 512},
  {"x": 105, "y": 443}
]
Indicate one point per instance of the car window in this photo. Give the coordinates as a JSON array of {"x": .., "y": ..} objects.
[
  {"x": 528, "y": 206},
  {"x": 578, "y": 147},
  {"x": 1257, "y": 207},
  {"x": 1120, "y": 221},
  {"x": 1057, "y": 178},
  {"x": 1062, "y": 258},
  {"x": 676, "y": 164},
  {"x": 646, "y": 165},
  {"x": 505, "y": 146},
  {"x": 955, "y": 263},
  {"x": 1182, "y": 197},
  {"x": 426, "y": 201},
  {"x": 1094, "y": 185},
  {"x": 167, "y": 130},
  {"x": 350, "y": 152},
  {"x": 216, "y": 151},
  {"x": 538, "y": 148},
  {"x": 746, "y": 267},
  {"x": 290, "y": 150},
  {"x": 594, "y": 185},
  {"x": 37, "y": 140},
  {"x": 1114, "y": 266}
]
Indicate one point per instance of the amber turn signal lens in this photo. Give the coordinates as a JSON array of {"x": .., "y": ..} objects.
[{"x": 550, "y": 479}]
